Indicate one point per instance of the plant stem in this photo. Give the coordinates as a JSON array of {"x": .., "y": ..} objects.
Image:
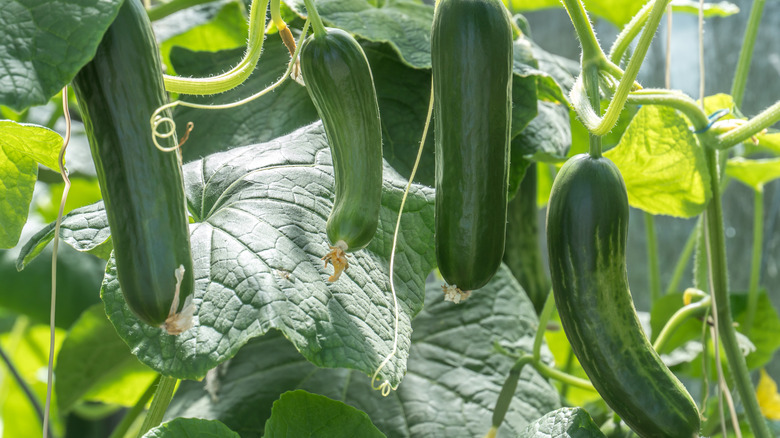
[
  {"x": 652, "y": 258},
  {"x": 165, "y": 9},
  {"x": 591, "y": 77},
  {"x": 544, "y": 318},
  {"x": 591, "y": 51},
  {"x": 553, "y": 373},
  {"x": 673, "y": 99},
  {"x": 755, "y": 261},
  {"x": 316, "y": 22},
  {"x": 763, "y": 120},
  {"x": 131, "y": 415},
  {"x": 680, "y": 316},
  {"x": 28, "y": 392},
  {"x": 629, "y": 32},
  {"x": 162, "y": 398},
  {"x": 716, "y": 255},
  {"x": 746, "y": 53},
  {"x": 508, "y": 391},
  {"x": 682, "y": 262}
]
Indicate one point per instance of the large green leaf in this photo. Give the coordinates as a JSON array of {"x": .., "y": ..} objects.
[
  {"x": 754, "y": 173},
  {"x": 22, "y": 147},
  {"x": 450, "y": 389},
  {"x": 44, "y": 44},
  {"x": 662, "y": 164},
  {"x": 257, "y": 243},
  {"x": 302, "y": 414},
  {"x": 95, "y": 364},
  {"x": 191, "y": 428},
  {"x": 563, "y": 423}
]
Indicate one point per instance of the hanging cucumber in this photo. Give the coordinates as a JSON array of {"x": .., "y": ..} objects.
[
  {"x": 471, "y": 57},
  {"x": 142, "y": 187},
  {"x": 587, "y": 228},
  {"x": 338, "y": 77},
  {"x": 523, "y": 256}
]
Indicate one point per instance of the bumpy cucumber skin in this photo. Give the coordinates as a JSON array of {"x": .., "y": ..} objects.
[
  {"x": 142, "y": 187},
  {"x": 587, "y": 228},
  {"x": 340, "y": 84},
  {"x": 471, "y": 56}
]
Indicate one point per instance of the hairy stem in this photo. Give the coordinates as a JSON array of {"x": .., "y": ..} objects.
[
  {"x": 746, "y": 53},
  {"x": 162, "y": 398},
  {"x": 755, "y": 260},
  {"x": 131, "y": 415}
]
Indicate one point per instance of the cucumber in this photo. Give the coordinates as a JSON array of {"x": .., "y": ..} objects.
[
  {"x": 587, "y": 228},
  {"x": 471, "y": 57},
  {"x": 523, "y": 256},
  {"x": 142, "y": 187},
  {"x": 339, "y": 81}
]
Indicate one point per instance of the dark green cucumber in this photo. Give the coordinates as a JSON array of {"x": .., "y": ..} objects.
[
  {"x": 471, "y": 57},
  {"x": 142, "y": 187},
  {"x": 523, "y": 255},
  {"x": 587, "y": 228},
  {"x": 338, "y": 77}
]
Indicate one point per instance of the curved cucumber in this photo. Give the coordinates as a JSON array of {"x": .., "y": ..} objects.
[
  {"x": 142, "y": 187},
  {"x": 471, "y": 57},
  {"x": 587, "y": 228},
  {"x": 339, "y": 81}
]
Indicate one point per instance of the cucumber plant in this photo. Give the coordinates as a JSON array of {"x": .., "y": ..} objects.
[
  {"x": 142, "y": 186},
  {"x": 339, "y": 81},
  {"x": 471, "y": 63}
]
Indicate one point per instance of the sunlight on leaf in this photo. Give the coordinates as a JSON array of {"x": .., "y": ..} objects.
[{"x": 754, "y": 173}]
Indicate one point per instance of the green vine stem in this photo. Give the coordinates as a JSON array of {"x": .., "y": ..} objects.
[
  {"x": 653, "y": 271},
  {"x": 591, "y": 77},
  {"x": 716, "y": 255},
  {"x": 763, "y": 120},
  {"x": 167, "y": 8},
  {"x": 629, "y": 32},
  {"x": 508, "y": 391},
  {"x": 682, "y": 261},
  {"x": 672, "y": 99},
  {"x": 755, "y": 260},
  {"x": 162, "y": 398},
  {"x": 316, "y": 22},
  {"x": 591, "y": 51},
  {"x": 238, "y": 74},
  {"x": 602, "y": 125},
  {"x": 746, "y": 53},
  {"x": 680, "y": 316},
  {"x": 131, "y": 415},
  {"x": 544, "y": 318}
]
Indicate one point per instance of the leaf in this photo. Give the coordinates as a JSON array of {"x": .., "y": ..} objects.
[
  {"x": 754, "y": 173},
  {"x": 547, "y": 138},
  {"x": 663, "y": 167},
  {"x": 450, "y": 389},
  {"x": 720, "y": 9},
  {"x": 768, "y": 397},
  {"x": 228, "y": 29},
  {"x": 404, "y": 24},
  {"x": 22, "y": 147},
  {"x": 563, "y": 423},
  {"x": 301, "y": 414},
  {"x": 763, "y": 333},
  {"x": 95, "y": 364},
  {"x": 257, "y": 243},
  {"x": 44, "y": 44},
  {"x": 770, "y": 141},
  {"x": 85, "y": 229},
  {"x": 191, "y": 428}
]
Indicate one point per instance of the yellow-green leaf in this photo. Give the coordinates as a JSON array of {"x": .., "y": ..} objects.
[
  {"x": 663, "y": 166},
  {"x": 770, "y": 141},
  {"x": 768, "y": 398},
  {"x": 754, "y": 173}
]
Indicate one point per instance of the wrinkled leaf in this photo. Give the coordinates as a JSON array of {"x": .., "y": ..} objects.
[
  {"x": 450, "y": 389},
  {"x": 22, "y": 147},
  {"x": 547, "y": 138},
  {"x": 44, "y": 44},
  {"x": 754, "y": 173},
  {"x": 95, "y": 364},
  {"x": 663, "y": 167},
  {"x": 257, "y": 243},
  {"x": 563, "y": 423},
  {"x": 300, "y": 414},
  {"x": 191, "y": 428}
]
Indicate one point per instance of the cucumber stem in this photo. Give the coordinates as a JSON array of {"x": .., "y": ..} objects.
[
  {"x": 316, "y": 22},
  {"x": 746, "y": 53},
  {"x": 716, "y": 255},
  {"x": 755, "y": 261},
  {"x": 763, "y": 120},
  {"x": 591, "y": 78},
  {"x": 591, "y": 51},
  {"x": 680, "y": 316},
  {"x": 129, "y": 418},
  {"x": 682, "y": 262},
  {"x": 673, "y": 99},
  {"x": 544, "y": 318},
  {"x": 162, "y": 398},
  {"x": 653, "y": 271}
]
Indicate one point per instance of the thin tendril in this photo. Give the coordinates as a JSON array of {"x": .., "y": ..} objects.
[
  {"x": 55, "y": 246},
  {"x": 158, "y": 120},
  {"x": 385, "y": 387}
]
